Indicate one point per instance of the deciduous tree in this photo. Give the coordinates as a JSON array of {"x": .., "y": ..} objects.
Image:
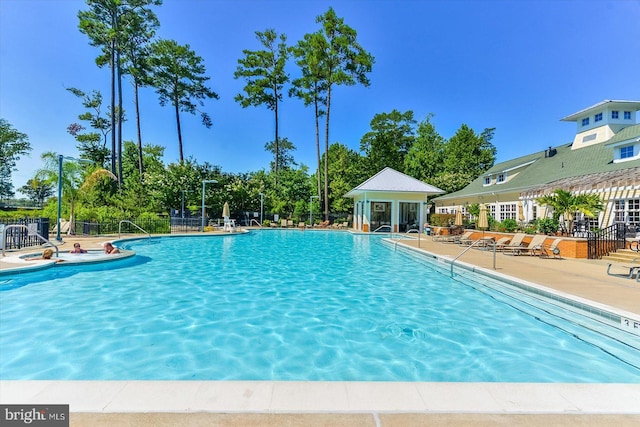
[
  {"x": 389, "y": 141},
  {"x": 424, "y": 160},
  {"x": 13, "y": 144}
]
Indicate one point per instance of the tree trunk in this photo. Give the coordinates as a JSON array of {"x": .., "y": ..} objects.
[
  {"x": 179, "y": 132},
  {"x": 137, "y": 102},
  {"x": 318, "y": 149},
  {"x": 113, "y": 107},
  {"x": 119, "y": 76},
  {"x": 326, "y": 157},
  {"x": 277, "y": 140}
]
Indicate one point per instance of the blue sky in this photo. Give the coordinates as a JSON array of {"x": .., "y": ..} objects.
[{"x": 518, "y": 66}]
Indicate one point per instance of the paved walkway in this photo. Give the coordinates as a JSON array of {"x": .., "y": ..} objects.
[{"x": 583, "y": 278}]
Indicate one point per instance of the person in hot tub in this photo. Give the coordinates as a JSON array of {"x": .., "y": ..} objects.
[
  {"x": 77, "y": 249},
  {"x": 110, "y": 249}
]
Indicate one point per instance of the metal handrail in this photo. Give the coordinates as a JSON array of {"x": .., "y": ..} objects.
[
  {"x": 381, "y": 227},
  {"x": 469, "y": 247},
  {"x": 4, "y": 237},
  {"x": 399, "y": 236},
  {"x": 136, "y": 226},
  {"x": 256, "y": 221}
]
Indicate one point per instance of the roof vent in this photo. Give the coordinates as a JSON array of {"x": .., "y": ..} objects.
[{"x": 550, "y": 152}]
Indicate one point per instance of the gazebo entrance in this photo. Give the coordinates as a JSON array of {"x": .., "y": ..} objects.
[
  {"x": 409, "y": 218},
  {"x": 380, "y": 215}
]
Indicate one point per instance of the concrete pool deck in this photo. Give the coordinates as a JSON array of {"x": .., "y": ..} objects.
[{"x": 273, "y": 403}]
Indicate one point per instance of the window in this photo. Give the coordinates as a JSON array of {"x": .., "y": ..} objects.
[
  {"x": 487, "y": 180},
  {"x": 627, "y": 115},
  {"x": 585, "y": 121},
  {"x": 492, "y": 211},
  {"x": 614, "y": 114},
  {"x": 627, "y": 211},
  {"x": 597, "y": 117},
  {"x": 508, "y": 211},
  {"x": 626, "y": 152},
  {"x": 502, "y": 177}
]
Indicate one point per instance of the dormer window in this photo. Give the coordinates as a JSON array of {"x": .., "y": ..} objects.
[
  {"x": 626, "y": 152},
  {"x": 487, "y": 180},
  {"x": 614, "y": 114},
  {"x": 627, "y": 115},
  {"x": 502, "y": 177},
  {"x": 597, "y": 117},
  {"x": 585, "y": 121}
]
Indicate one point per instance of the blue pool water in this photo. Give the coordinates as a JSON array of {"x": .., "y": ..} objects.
[{"x": 287, "y": 305}]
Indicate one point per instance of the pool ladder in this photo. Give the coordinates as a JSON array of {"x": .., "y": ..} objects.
[
  {"x": 469, "y": 247},
  {"x": 135, "y": 225}
]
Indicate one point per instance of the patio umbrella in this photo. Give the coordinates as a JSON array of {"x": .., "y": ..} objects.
[
  {"x": 225, "y": 210},
  {"x": 544, "y": 211},
  {"x": 483, "y": 221},
  {"x": 458, "y": 220},
  {"x": 520, "y": 212}
]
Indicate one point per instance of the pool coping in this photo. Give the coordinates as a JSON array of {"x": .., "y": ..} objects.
[{"x": 325, "y": 397}]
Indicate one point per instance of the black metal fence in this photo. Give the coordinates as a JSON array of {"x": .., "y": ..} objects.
[
  {"x": 607, "y": 240},
  {"x": 17, "y": 238}
]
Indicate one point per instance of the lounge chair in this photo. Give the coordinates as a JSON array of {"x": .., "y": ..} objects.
[
  {"x": 343, "y": 225},
  {"x": 302, "y": 225},
  {"x": 632, "y": 269},
  {"x": 551, "y": 250},
  {"x": 502, "y": 242},
  {"x": 536, "y": 246},
  {"x": 465, "y": 239},
  {"x": 515, "y": 245}
]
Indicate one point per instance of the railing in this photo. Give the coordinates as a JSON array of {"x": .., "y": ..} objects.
[
  {"x": 256, "y": 221},
  {"x": 17, "y": 238},
  {"x": 4, "y": 236},
  {"x": 129, "y": 222},
  {"x": 469, "y": 247},
  {"x": 605, "y": 241},
  {"x": 381, "y": 227}
]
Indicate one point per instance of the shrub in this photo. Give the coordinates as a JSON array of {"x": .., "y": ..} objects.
[
  {"x": 547, "y": 225},
  {"x": 509, "y": 225}
]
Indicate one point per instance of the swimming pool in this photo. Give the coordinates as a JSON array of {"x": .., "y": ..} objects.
[{"x": 290, "y": 305}]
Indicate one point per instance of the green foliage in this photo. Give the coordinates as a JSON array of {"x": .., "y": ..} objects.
[
  {"x": 13, "y": 144},
  {"x": 424, "y": 160},
  {"x": 92, "y": 145},
  {"x": 178, "y": 76},
  {"x": 265, "y": 77},
  {"x": 390, "y": 139},
  {"x": 37, "y": 190},
  {"x": 442, "y": 220},
  {"x": 18, "y": 214},
  {"x": 547, "y": 225},
  {"x": 468, "y": 154},
  {"x": 509, "y": 225},
  {"x": 566, "y": 204},
  {"x": 283, "y": 156}
]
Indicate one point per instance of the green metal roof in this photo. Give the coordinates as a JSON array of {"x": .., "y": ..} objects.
[{"x": 565, "y": 163}]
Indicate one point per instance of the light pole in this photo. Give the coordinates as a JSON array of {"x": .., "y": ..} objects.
[
  {"x": 60, "y": 159},
  {"x": 204, "y": 182},
  {"x": 311, "y": 209},
  {"x": 184, "y": 191},
  {"x": 261, "y": 207}
]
